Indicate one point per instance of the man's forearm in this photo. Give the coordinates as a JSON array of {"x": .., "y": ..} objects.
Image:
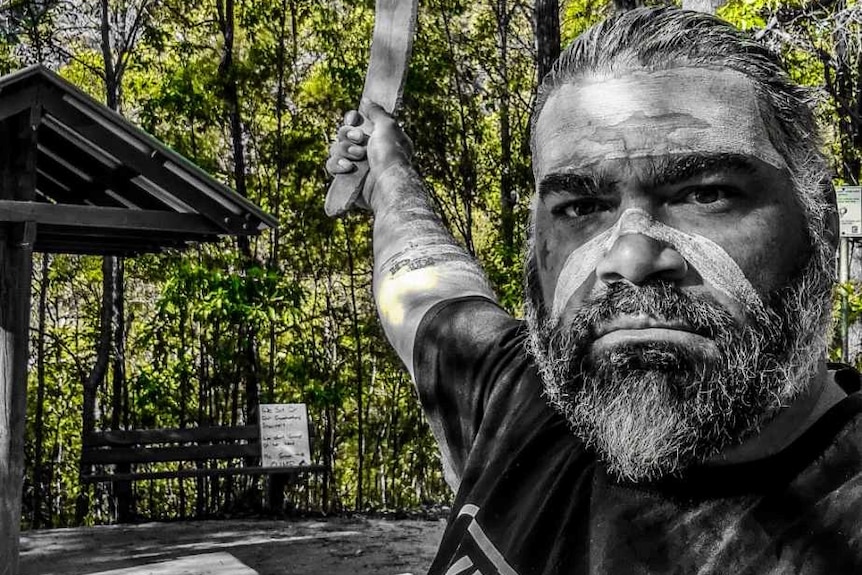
[{"x": 417, "y": 262}]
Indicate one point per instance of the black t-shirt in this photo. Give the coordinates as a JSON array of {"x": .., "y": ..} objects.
[{"x": 532, "y": 499}]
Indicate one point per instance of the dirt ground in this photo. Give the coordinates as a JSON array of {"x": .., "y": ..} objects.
[{"x": 336, "y": 546}]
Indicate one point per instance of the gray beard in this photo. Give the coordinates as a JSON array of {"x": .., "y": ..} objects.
[{"x": 652, "y": 410}]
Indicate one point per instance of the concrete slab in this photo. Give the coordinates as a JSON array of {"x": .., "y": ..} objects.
[{"x": 204, "y": 564}]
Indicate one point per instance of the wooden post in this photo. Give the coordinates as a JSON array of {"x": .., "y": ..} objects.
[
  {"x": 17, "y": 182},
  {"x": 275, "y": 493},
  {"x": 15, "y": 268}
]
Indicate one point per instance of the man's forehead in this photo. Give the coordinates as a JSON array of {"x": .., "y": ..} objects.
[{"x": 649, "y": 115}]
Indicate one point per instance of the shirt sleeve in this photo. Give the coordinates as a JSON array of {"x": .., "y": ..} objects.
[{"x": 462, "y": 348}]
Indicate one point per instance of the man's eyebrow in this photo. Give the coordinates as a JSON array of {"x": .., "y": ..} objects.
[
  {"x": 587, "y": 184},
  {"x": 676, "y": 169}
]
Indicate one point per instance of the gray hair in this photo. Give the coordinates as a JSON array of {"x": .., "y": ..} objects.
[{"x": 664, "y": 38}]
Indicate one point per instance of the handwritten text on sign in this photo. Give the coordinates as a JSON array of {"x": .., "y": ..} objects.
[{"x": 284, "y": 435}]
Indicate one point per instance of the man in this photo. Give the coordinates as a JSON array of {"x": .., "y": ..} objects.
[{"x": 667, "y": 407}]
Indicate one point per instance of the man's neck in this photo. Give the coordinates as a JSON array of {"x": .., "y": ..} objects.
[{"x": 790, "y": 422}]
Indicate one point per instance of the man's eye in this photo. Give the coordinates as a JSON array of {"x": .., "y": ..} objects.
[
  {"x": 583, "y": 208},
  {"x": 708, "y": 195}
]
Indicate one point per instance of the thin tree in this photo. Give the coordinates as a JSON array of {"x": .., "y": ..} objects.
[
  {"x": 229, "y": 90},
  {"x": 117, "y": 47},
  {"x": 547, "y": 27},
  {"x": 503, "y": 17},
  {"x": 39, "y": 483},
  {"x": 624, "y": 5}
]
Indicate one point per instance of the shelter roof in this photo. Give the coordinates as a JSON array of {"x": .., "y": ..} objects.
[{"x": 99, "y": 184}]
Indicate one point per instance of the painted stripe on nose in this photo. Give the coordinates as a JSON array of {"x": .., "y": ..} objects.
[{"x": 714, "y": 265}]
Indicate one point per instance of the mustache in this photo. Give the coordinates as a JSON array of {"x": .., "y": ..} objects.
[{"x": 659, "y": 300}]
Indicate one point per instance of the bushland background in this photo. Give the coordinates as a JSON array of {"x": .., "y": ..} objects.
[{"x": 252, "y": 91}]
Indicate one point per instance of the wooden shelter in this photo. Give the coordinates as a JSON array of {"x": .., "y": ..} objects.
[{"x": 76, "y": 177}]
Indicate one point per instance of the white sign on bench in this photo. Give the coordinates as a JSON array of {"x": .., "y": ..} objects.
[{"x": 284, "y": 435}]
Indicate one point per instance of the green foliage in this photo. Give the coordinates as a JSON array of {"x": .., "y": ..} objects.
[
  {"x": 579, "y": 15},
  {"x": 747, "y": 14},
  {"x": 851, "y": 292}
]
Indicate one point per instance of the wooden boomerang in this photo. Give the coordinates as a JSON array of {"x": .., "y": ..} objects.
[{"x": 394, "y": 22}]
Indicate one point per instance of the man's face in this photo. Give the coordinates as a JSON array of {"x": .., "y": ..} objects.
[{"x": 666, "y": 241}]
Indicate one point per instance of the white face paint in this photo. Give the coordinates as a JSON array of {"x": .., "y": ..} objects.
[
  {"x": 713, "y": 264},
  {"x": 652, "y": 114}
]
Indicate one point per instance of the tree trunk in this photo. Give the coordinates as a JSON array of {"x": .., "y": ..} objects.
[
  {"x": 360, "y": 376},
  {"x": 507, "y": 197},
  {"x": 623, "y": 5},
  {"x": 204, "y": 417},
  {"x": 547, "y": 35},
  {"x": 39, "y": 448},
  {"x": 116, "y": 297},
  {"x": 845, "y": 94},
  {"x": 230, "y": 95},
  {"x": 279, "y": 173},
  {"x": 97, "y": 374},
  {"x": 466, "y": 166}
]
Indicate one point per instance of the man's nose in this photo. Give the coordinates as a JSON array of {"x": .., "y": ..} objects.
[{"x": 638, "y": 258}]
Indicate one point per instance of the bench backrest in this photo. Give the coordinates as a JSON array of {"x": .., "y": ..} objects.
[{"x": 162, "y": 445}]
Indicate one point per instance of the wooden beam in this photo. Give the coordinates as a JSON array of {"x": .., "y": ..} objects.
[
  {"x": 81, "y": 186},
  {"x": 16, "y": 102},
  {"x": 106, "y": 218},
  {"x": 50, "y": 188},
  {"x": 93, "y": 241},
  {"x": 104, "y": 248}
]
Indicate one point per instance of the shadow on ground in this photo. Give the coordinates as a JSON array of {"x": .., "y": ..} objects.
[{"x": 339, "y": 546}]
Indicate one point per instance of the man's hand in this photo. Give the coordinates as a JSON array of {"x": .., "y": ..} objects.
[{"x": 387, "y": 146}]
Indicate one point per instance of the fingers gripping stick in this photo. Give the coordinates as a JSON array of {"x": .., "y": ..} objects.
[
  {"x": 345, "y": 189},
  {"x": 394, "y": 22}
]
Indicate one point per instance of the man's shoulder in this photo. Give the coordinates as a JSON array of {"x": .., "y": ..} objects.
[
  {"x": 471, "y": 326},
  {"x": 841, "y": 433},
  {"x": 470, "y": 313},
  {"x": 837, "y": 435}
]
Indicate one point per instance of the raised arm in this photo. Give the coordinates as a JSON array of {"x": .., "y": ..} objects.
[{"x": 417, "y": 262}]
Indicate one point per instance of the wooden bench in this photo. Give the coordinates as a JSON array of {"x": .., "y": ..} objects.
[{"x": 128, "y": 449}]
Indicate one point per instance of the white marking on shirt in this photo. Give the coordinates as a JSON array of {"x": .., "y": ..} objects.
[
  {"x": 460, "y": 566},
  {"x": 491, "y": 552}
]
